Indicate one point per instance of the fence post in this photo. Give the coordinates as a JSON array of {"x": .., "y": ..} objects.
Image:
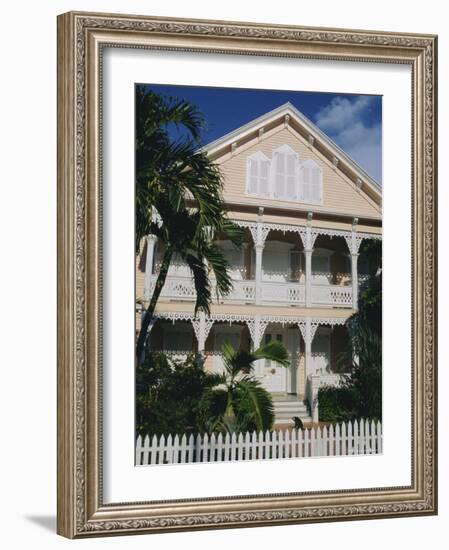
[
  {"x": 240, "y": 446},
  {"x": 139, "y": 449},
  {"x": 249, "y": 438},
  {"x": 183, "y": 449},
  {"x": 213, "y": 446},
  {"x": 169, "y": 450},
  {"x": 220, "y": 447},
  {"x": 287, "y": 445},
  {"x": 191, "y": 455},
  {"x": 205, "y": 448},
  {"x": 379, "y": 437},
  {"x": 198, "y": 448},
  {"x": 325, "y": 438}
]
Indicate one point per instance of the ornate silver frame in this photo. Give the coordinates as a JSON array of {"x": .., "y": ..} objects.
[{"x": 81, "y": 37}]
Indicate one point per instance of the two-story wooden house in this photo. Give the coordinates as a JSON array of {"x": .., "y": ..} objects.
[{"x": 305, "y": 207}]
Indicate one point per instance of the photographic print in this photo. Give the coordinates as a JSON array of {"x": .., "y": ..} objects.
[
  {"x": 258, "y": 244},
  {"x": 224, "y": 190}
]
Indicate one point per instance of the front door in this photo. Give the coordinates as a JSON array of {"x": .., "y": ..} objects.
[{"x": 274, "y": 376}]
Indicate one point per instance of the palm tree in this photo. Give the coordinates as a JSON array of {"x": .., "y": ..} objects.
[
  {"x": 238, "y": 402},
  {"x": 179, "y": 199}
]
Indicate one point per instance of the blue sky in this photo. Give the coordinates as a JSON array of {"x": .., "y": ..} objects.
[{"x": 354, "y": 122}]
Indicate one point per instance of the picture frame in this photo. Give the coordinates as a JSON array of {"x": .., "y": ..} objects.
[{"x": 82, "y": 40}]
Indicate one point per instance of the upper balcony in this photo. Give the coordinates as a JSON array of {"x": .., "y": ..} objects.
[
  {"x": 282, "y": 277},
  {"x": 272, "y": 293}
]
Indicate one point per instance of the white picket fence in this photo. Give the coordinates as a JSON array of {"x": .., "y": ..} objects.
[{"x": 362, "y": 437}]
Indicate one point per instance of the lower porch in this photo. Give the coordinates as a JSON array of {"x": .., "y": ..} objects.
[{"x": 315, "y": 346}]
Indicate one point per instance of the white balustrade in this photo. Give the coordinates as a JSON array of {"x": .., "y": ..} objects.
[
  {"x": 244, "y": 291},
  {"x": 183, "y": 288},
  {"x": 286, "y": 293},
  {"x": 332, "y": 294}
]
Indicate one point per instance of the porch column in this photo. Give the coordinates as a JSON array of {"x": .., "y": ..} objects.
[
  {"x": 256, "y": 338},
  {"x": 202, "y": 333},
  {"x": 308, "y": 251},
  {"x": 308, "y": 254},
  {"x": 312, "y": 382},
  {"x": 308, "y": 346},
  {"x": 201, "y": 326},
  {"x": 355, "y": 280},
  {"x": 259, "y": 242},
  {"x": 259, "y": 251},
  {"x": 354, "y": 245},
  {"x": 151, "y": 241}
]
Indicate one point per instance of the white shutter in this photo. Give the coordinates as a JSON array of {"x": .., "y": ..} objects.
[
  {"x": 316, "y": 184},
  {"x": 311, "y": 182},
  {"x": 253, "y": 177},
  {"x": 264, "y": 166},
  {"x": 279, "y": 188},
  {"x": 306, "y": 183},
  {"x": 291, "y": 178}
]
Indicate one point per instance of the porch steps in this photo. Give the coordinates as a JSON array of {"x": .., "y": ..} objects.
[{"x": 287, "y": 406}]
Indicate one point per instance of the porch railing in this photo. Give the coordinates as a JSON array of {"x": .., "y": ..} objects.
[
  {"x": 182, "y": 288},
  {"x": 332, "y": 294}
]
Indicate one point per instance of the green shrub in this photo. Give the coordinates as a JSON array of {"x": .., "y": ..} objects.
[
  {"x": 337, "y": 404},
  {"x": 168, "y": 394}
]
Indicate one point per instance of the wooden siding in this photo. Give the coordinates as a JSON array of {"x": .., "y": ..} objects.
[{"x": 340, "y": 195}]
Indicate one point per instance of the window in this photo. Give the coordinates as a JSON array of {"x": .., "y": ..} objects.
[
  {"x": 258, "y": 171},
  {"x": 285, "y": 173},
  {"x": 284, "y": 177},
  {"x": 310, "y": 177}
]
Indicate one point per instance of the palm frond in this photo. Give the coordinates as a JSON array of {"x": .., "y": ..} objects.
[
  {"x": 274, "y": 351},
  {"x": 219, "y": 265},
  {"x": 253, "y": 404},
  {"x": 154, "y": 111},
  {"x": 201, "y": 282}
]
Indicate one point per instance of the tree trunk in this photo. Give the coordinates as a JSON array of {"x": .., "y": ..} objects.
[{"x": 141, "y": 340}]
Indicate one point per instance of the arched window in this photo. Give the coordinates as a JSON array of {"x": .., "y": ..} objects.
[
  {"x": 285, "y": 173},
  {"x": 311, "y": 182},
  {"x": 258, "y": 170}
]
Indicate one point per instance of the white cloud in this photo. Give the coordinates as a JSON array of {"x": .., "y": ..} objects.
[{"x": 343, "y": 121}]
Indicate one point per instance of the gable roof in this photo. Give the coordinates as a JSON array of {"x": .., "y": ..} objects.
[{"x": 290, "y": 115}]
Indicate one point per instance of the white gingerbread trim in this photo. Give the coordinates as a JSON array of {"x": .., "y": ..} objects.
[{"x": 301, "y": 230}]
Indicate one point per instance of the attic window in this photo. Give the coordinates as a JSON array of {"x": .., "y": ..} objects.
[
  {"x": 284, "y": 177},
  {"x": 285, "y": 173},
  {"x": 258, "y": 171},
  {"x": 310, "y": 182}
]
